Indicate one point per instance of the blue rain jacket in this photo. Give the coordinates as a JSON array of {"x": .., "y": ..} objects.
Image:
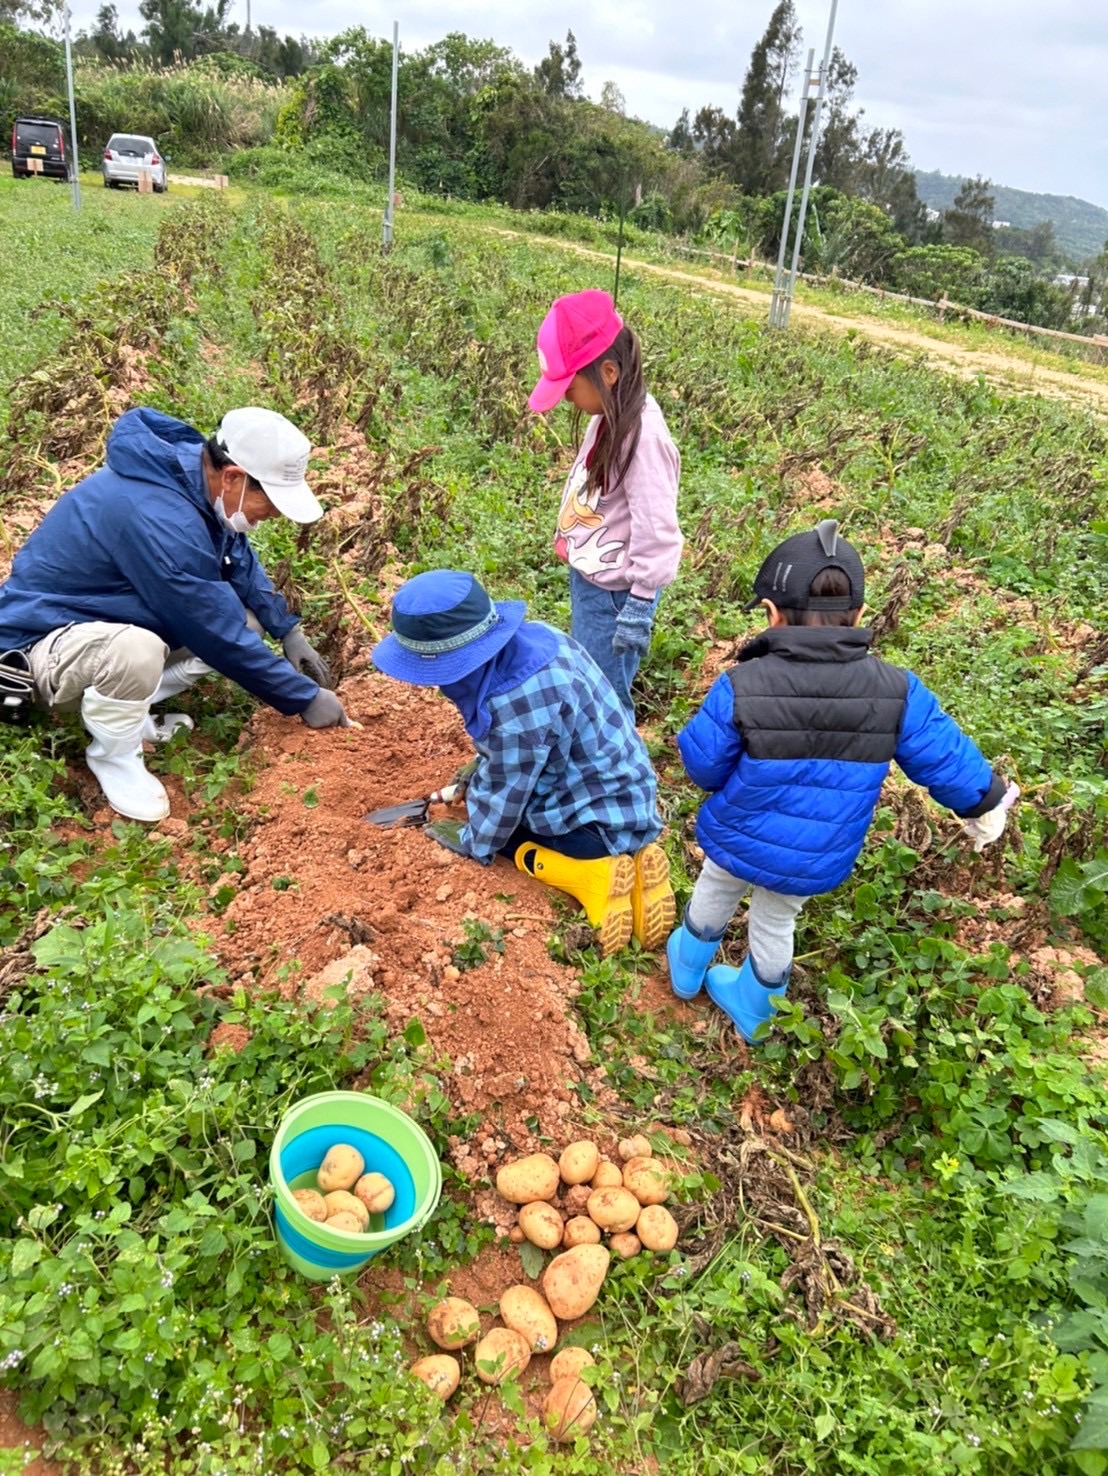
[{"x": 138, "y": 543}]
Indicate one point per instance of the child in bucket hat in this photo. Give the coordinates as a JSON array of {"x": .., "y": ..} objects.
[
  {"x": 617, "y": 523},
  {"x": 562, "y": 783},
  {"x": 793, "y": 745}
]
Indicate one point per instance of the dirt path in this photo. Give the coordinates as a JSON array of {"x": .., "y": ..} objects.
[{"x": 1005, "y": 371}]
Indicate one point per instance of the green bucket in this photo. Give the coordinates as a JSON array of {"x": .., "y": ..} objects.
[{"x": 391, "y": 1144}]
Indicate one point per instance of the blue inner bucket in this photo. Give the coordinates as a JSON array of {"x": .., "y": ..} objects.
[{"x": 302, "y": 1156}]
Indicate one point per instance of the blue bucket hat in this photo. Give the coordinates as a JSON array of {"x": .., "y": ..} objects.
[{"x": 444, "y": 626}]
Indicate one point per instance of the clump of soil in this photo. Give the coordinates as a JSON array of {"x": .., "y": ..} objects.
[{"x": 328, "y": 901}]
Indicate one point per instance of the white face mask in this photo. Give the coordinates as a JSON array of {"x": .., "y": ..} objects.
[{"x": 237, "y": 521}]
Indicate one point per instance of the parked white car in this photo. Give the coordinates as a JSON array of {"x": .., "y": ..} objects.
[{"x": 127, "y": 156}]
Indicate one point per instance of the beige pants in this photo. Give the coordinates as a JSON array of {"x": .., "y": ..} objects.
[{"x": 121, "y": 661}]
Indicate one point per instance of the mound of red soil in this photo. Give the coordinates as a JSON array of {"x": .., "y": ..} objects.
[{"x": 328, "y": 900}]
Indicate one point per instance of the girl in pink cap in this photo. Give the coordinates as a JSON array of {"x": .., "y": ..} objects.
[{"x": 617, "y": 525}]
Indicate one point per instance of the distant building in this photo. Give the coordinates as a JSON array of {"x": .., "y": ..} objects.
[
  {"x": 932, "y": 215},
  {"x": 1070, "y": 282},
  {"x": 1002, "y": 225}
]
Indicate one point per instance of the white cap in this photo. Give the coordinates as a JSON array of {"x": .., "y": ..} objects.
[{"x": 275, "y": 454}]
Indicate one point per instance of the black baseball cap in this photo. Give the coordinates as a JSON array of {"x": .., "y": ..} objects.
[{"x": 787, "y": 574}]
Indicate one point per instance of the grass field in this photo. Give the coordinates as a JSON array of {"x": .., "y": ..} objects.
[{"x": 917, "y": 1277}]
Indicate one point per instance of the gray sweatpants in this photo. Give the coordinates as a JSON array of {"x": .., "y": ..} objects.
[{"x": 771, "y": 924}]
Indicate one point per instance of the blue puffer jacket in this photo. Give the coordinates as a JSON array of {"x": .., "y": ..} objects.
[
  {"x": 138, "y": 543},
  {"x": 794, "y": 745}
]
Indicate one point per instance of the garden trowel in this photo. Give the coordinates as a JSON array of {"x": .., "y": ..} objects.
[{"x": 411, "y": 812}]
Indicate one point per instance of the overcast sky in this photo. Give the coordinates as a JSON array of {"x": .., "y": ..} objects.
[{"x": 1012, "y": 89}]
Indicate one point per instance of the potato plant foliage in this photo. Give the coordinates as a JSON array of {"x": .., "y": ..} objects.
[{"x": 912, "y": 1277}]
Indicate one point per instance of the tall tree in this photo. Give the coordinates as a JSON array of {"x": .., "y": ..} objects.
[
  {"x": 612, "y": 99},
  {"x": 714, "y": 134},
  {"x": 838, "y": 147},
  {"x": 680, "y": 138},
  {"x": 559, "y": 72},
  {"x": 969, "y": 221},
  {"x": 885, "y": 178},
  {"x": 760, "y": 165}
]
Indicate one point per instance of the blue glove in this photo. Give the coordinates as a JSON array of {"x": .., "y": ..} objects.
[
  {"x": 634, "y": 624},
  {"x": 448, "y": 833}
]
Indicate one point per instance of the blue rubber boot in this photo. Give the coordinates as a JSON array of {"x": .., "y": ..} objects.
[
  {"x": 743, "y": 998},
  {"x": 689, "y": 957}
]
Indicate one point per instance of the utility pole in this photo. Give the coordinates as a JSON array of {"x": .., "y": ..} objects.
[
  {"x": 785, "y": 303},
  {"x": 390, "y": 208},
  {"x": 72, "y": 115},
  {"x": 777, "y": 301}
]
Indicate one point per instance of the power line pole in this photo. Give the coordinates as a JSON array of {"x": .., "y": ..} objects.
[
  {"x": 777, "y": 301},
  {"x": 72, "y": 116},
  {"x": 390, "y": 208},
  {"x": 785, "y": 304}
]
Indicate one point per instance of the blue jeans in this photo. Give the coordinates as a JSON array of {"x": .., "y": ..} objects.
[{"x": 593, "y": 614}]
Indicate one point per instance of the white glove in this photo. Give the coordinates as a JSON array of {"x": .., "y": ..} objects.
[{"x": 984, "y": 829}]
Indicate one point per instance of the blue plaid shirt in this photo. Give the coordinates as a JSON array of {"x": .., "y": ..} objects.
[{"x": 561, "y": 753}]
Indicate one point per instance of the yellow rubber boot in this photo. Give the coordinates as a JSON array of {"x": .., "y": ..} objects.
[
  {"x": 602, "y": 887},
  {"x": 653, "y": 910}
]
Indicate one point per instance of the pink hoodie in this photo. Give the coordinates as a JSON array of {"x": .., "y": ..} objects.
[{"x": 628, "y": 538}]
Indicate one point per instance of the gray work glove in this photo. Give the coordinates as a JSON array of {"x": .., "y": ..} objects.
[
  {"x": 634, "y": 624},
  {"x": 306, "y": 658},
  {"x": 325, "y": 711},
  {"x": 448, "y": 833}
]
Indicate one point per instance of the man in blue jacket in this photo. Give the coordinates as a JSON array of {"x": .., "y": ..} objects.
[
  {"x": 140, "y": 579},
  {"x": 793, "y": 745}
]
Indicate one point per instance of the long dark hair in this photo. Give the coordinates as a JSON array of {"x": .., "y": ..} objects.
[
  {"x": 829, "y": 584},
  {"x": 622, "y": 410}
]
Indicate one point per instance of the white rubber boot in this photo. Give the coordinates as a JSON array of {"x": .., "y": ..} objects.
[
  {"x": 115, "y": 755},
  {"x": 177, "y": 677},
  {"x": 160, "y": 727}
]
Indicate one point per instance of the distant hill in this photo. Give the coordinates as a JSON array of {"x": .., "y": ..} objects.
[{"x": 1079, "y": 228}]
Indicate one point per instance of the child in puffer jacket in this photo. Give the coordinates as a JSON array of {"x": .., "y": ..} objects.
[{"x": 793, "y": 745}]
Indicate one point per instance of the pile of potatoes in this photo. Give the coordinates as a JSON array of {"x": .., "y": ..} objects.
[
  {"x": 530, "y": 1326},
  {"x": 624, "y": 1201},
  {"x": 346, "y": 1195}
]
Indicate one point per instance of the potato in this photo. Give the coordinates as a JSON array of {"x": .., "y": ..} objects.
[
  {"x": 439, "y": 1372},
  {"x": 500, "y": 1354},
  {"x": 581, "y": 1230},
  {"x": 344, "y": 1220},
  {"x": 613, "y": 1209},
  {"x": 607, "y": 1176},
  {"x": 637, "y": 1147},
  {"x": 375, "y": 1192},
  {"x": 516, "y": 1235},
  {"x": 625, "y": 1245},
  {"x": 526, "y": 1312},
  {"x": 342, "y": 1167},
  {"x": 569, "y": 1409},
  {"x": 578, "y": 1162},
  {"x": 569, "y": 1362},
  {"x": 572, "y": 1281},
  {"x": 311, "y": 1203},
  {"x": 542, "y": 1224},
  {"x": 453, "y": 1323},
  {"x": 647, "y": 1179},
  {"x": 528, "y": 1179},
  {"x": 339, "y": 1200},
  {"x": 656, "y": 1228}
]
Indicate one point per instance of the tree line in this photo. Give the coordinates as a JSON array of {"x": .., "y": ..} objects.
[{"x": 474, "y": 122}]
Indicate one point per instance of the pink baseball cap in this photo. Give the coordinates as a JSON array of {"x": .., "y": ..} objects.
[{"x": 575, "y": 331}]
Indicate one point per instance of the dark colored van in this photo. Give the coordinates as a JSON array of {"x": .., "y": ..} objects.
[{"x": 38, "y": 147}]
